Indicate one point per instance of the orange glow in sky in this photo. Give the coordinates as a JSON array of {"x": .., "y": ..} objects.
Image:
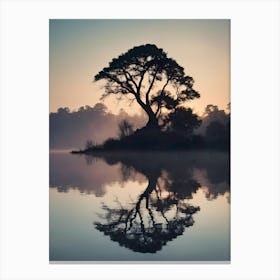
[{"x": 79, "y": 49}]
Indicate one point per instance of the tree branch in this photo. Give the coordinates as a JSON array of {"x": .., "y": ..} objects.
[
  {"x": 129, "y": 78},
  {"x": 141, "y": 80},
  {"x": 161, "y": 210},
  {"x": 167, "y": 81},
  {"x": 150, "y": 87},
  {"x": 158, "y": 111},
  {"x": 129, "y": 89}
]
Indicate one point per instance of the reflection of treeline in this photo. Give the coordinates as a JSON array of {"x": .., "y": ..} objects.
[
  {"x": 175, "y": 170},
  {"x": 180, "y": 172}
]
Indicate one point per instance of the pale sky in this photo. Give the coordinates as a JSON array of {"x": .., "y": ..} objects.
[{"x": 79, "y": 49}]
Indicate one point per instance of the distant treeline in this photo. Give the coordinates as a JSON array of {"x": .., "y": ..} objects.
[{"x": 72, "y": 129}]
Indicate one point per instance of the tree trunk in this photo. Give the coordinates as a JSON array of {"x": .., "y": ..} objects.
[{"x": 153, "y": 121}]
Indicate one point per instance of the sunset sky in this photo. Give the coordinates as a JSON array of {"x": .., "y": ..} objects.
[{"x": 79, "y": 49}]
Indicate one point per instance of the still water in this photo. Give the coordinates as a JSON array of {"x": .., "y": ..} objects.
[{"x": 162, "y": 206}]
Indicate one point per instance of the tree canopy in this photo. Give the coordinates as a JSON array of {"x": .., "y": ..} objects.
[
  {"x": 146, "y": 75},
  {"x": 181, "y": 120}
]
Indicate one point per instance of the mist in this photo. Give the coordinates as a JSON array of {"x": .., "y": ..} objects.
[{"x": 71, "y": 129}]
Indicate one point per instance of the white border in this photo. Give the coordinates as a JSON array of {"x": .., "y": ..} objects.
[{"x": 255, "y": 138}]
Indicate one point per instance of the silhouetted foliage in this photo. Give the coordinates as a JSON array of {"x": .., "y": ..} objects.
[
  {"x": 125, "y": 129},
  {"x": 213, "y": 114},
  {"x": 139, "y": 71},
  {"x": 111, "y": 144},
  {"x": 182, "y": 121},
  {"x": 151, "y": 140},
  {"x": 215, "y": 127},
  {"x": 211, "y": 108},
  {"x": 218, "y": 135},
  {"x": 215, "y": 131}
]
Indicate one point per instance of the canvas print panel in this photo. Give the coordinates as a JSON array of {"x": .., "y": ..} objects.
[{"x": 139, "y": 140}]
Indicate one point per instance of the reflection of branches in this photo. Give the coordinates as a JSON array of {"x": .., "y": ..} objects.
[
  {"x": 126, "y": 172},
  {"x": 145, "y": 227},
  {"x": 160, "y": 213}
]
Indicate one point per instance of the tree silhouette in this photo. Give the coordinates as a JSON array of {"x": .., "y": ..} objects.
[
  {"x": 182, "y": 121},
  {"x": 210, "y": 108},
  {"x": 213, "y": 114},
  {"x": 146, "y": 75},
  {"x": 215, "y": 131},
  {"x": 218, "y": 134}
]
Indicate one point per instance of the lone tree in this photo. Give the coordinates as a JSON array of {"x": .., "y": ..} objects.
[{"x": 146, "y": 75}]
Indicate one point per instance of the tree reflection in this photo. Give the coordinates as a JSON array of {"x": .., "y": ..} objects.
[
  {"x": 149, "y": 223},
  {"x": 160, "y": 213}
]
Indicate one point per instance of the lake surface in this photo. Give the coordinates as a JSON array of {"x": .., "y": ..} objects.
[{"x": 160, "y": 206}]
